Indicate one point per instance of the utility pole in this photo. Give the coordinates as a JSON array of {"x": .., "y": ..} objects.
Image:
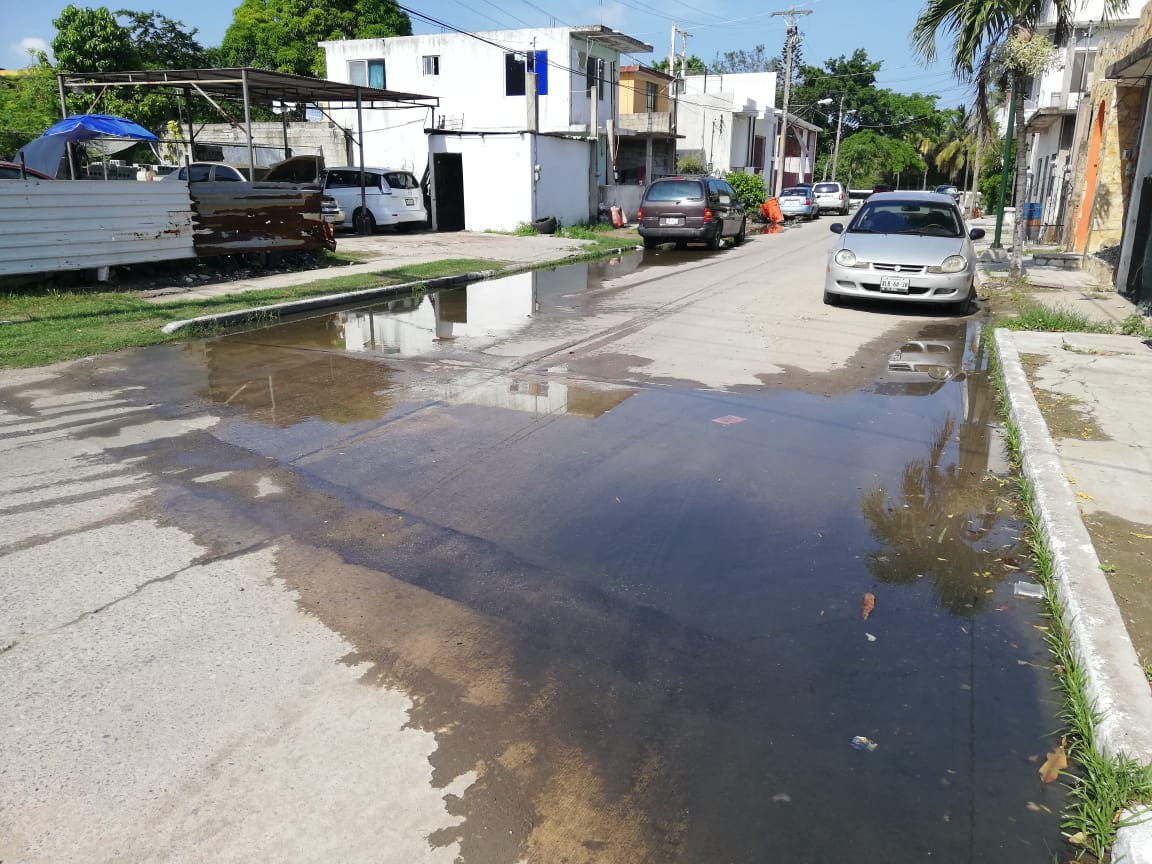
[
  {"x": 839, "y": 128},
  {"x": 789, "y": 45}
]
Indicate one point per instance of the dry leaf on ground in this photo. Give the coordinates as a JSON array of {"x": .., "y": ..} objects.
[
  {"x": 1056, "y": 762},
  {"x": 868, "y": 605}
]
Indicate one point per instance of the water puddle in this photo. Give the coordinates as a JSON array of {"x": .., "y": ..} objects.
[{"x": 658, "y": 619}]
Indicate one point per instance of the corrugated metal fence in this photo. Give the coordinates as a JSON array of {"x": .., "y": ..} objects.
[
  {"x": 52, "y": 225},
  {"x": 231, "y": 218}
]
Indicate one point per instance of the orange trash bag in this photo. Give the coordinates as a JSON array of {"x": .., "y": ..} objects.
[{"x": 770, "y": 210}]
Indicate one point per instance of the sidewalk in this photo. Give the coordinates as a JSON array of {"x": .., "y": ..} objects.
[{"x": 1081, "y": 403}]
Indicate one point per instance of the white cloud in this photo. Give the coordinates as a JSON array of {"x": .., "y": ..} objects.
[{"x": 21, "y": 53}]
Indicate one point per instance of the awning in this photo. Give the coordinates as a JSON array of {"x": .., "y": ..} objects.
[{"x": 1136, "y": 65}]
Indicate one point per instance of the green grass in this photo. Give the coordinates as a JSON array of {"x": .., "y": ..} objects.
[
  {"x": 52, "y": 325},
  {"x": 1058, "y": 319},
  {"x": 602, "y": 234},
  {"x": 1101, "y": 787}
]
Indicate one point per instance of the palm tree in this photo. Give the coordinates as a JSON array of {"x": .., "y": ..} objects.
[{"x": 980, "y": 29}]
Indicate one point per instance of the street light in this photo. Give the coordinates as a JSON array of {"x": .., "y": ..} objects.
[{"x": 839, "y": 127}]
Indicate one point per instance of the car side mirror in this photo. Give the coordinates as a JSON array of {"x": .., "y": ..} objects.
[
  {"x": 838, "y": 228},
  {"x": 976, "y": 234}
]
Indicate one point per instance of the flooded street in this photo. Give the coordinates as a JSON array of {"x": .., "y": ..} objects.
[{"x": 613, "y": 529}]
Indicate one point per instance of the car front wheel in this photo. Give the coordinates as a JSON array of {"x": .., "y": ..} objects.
[
  {"x": 742, "y": 234},
  {"x": 831, "y": 299}
]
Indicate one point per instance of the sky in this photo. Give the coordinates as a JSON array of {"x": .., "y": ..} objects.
[{"x": 834, "y": 28}]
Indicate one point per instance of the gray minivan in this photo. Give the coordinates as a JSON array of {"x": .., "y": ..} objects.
[{"x": 685, "y": 210}]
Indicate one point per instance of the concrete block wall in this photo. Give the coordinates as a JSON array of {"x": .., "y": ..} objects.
[{"x": 303, "y": 138}]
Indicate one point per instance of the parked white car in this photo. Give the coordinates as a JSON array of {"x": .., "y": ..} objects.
[
  {"x": 391, "y": 196},
  {"x": 832, "y": 196}
]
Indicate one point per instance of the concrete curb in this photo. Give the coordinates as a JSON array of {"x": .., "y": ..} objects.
[
  {"x": 1115, "y": 681},
  {"x": 258, "y": 313}
]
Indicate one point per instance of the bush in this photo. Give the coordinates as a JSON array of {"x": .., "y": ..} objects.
[
  {"x": 691, "y": 164},
  {"x": 749, "y": 189}
]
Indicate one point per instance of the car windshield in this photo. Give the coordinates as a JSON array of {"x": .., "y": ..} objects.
[
  {"x": 907, "y": 217},
  {"x": 826, "y": 187},
  {"x": 795, "y": 190},
  {"x": 675, "y": 190}
]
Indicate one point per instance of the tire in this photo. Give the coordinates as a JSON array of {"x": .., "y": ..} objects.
[
  {"x": 741, "y": 235},
  {"x": 650, "y": 242},
  {"x": 962, "y": 308},
  {"x": 545, "y": 225},
  {"x": 717, "y": 239},
  {"x": 831, "y": 299},
  {"x": 364, "y": 221},
  {"x": 681, "y": 244},
  {"x": 844, "y": 212}
]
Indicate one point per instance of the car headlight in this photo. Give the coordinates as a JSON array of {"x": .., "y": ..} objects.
[
  {"x": 845, "y": 258},
  {"x": 952, "y": 264}
]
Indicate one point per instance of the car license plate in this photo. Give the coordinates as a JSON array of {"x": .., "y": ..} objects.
[
  {"x": 671, "y": 220},
  {"x": 409, "y": 201},
  {"x": 894, "y": 284}
]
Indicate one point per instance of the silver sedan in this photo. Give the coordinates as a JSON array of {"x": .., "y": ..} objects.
[
  {"x": 797, "y": 201},
  {"x": 907, "y": 246}
]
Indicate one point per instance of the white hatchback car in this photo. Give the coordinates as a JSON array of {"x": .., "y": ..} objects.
[{"x": 391, "y": 196}]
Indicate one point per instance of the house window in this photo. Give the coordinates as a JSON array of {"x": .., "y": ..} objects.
[
  {"x": 1083, "y": 65},
  {"x": 431, "y": 63},
  {"x": 515, "y": 67},
  {"x": 366, "y": 73},
  {"x": 650, "y": 98},
  {"x": 594, "y": 73}
]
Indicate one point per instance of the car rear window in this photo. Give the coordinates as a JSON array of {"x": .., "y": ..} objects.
[
  {"x": 676, "y": 190},
  {"x": 826, "y": 187},
  {"x": 401, "y": 180},
  {"x": 796, "y": 190}
]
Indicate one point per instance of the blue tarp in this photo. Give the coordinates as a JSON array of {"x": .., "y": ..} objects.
[
  {"x": 45, "y": 152},
  {"x": 83, "y": 127}
]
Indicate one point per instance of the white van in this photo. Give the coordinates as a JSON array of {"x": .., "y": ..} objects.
[{"x": 392, "y": 196}]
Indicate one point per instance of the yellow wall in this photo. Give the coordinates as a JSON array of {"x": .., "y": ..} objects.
[{"x": 634, "y": 90}]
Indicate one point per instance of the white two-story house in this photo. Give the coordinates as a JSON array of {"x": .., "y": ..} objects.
[
  {"x": 728, "y": 121},
  {"x": 1052, "y": 104},
  {"x": 525, "y": 123}
]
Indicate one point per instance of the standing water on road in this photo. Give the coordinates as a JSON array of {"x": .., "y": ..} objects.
[{"x": 661, "y": 623}]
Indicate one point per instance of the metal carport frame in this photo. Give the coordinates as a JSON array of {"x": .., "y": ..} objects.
[{"x": 245, "y": 84}]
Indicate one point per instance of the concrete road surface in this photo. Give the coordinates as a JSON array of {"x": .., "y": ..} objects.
[{"x": 476, "y": 577}]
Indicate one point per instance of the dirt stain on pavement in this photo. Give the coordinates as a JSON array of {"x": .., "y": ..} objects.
[{"x": 1125, "y": 552}]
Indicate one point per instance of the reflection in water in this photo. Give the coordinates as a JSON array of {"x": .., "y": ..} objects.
[
  {"x": 942, "y": 524},
  {"x": 530, "y": 396},
  {"x": 285, "y": 387},
  {"x": 412, "y": 326},
  {"x": 923, "y": 364}
]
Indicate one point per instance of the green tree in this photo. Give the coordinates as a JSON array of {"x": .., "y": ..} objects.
[
  {"x": 740, "y": 60},
  {"x": 281, "y": 35},
  {"x": 29, "y": 104},
  {"x": 91, "y": 40},
  {"x": 991, "y": 47},
  {"x": 868, "y": 157},
  {"x": 158, "y": 42},
  {"x": 694, "y": 64}
]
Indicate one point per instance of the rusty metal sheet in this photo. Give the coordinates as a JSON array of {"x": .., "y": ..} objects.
[
  {"x": 51, "y": 225},
  {"x": 230, "y": 218}
]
